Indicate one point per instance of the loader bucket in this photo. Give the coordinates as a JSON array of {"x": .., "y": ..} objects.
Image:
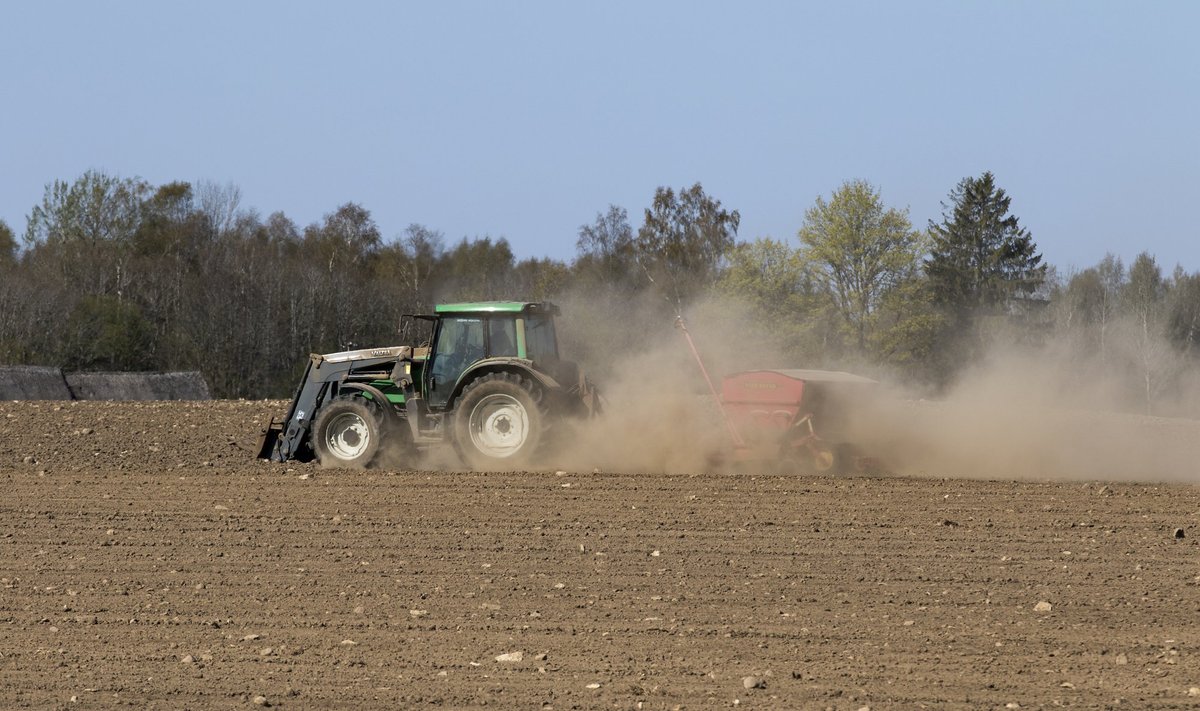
[{"x": 270, "y": 437}]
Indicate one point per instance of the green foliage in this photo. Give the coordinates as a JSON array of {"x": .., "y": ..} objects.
[
  {"x": 1083, "y": 304},
  {"x": 770, "y": 275},
  {"x": 605, "y": 250},
  {"x": 347, "y": 236},
  {"x": 1146, "y": 290},
  {"x": 106, "y": 333},
  {"x": 981, "y": 261},
  {"x": 861, "y": 251},
  {"x": 169, "y": 224},
  {"x": 85, "y": 230},
  {"x": 684, "y": 241},
  {"x": 116, "y": 274},
  {"x": 1089, "y": 305},
  {"x": 908, "y": 329},
  {"x": 478, "y": 270},
  {"x": 980, "y": 255},
  {"x": 8, "y": 246},
  {"x": 95, "y": 208},
  {"x": 782, "y": 294},
  {"x": 538, "y": 279},
  {"x": 1183, "y": 313}
]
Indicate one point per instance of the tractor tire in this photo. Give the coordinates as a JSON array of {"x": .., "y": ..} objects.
[
  {"x": 347, "y": 433},
  {"x": 499, "y": 421}
]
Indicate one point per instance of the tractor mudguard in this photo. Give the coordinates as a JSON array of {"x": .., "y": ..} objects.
[
  {"x": 375, "y": 393},
  {"x": 575, "y": 394},
  {"x": 514, "y": 365}
]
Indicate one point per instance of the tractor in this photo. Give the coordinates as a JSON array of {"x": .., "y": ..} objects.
[{"x": 489, "y": 381}]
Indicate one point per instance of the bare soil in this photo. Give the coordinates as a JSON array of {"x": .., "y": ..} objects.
[{"x": 147, "y": 561}]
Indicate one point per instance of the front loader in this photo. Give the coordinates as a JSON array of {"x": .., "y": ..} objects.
[{"x": 489, "y": 382}]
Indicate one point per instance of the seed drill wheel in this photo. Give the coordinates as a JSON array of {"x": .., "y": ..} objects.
[
  {"x": 823, "y": 459},
  {"x": 499, "y": 421},
  {"x": 347, "y": 433},
  {"x": 810, "y": 458}
]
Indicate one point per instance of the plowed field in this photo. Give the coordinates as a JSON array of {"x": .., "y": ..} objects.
[{"x": 147, "y": 561}]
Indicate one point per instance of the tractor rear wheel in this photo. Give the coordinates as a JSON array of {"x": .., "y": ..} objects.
[
  {"x": 347, "y": 433},
  {"x": 499, "y": 421}
]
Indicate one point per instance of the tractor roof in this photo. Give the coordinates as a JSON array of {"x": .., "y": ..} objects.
[{"x": 497, "y": 307}]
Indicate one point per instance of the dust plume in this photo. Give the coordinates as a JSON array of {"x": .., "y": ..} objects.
[
  {"x": 659, "y": 414},
  {"x": 1023, "y": 412},
  {"x": 1033, "y": 413}
]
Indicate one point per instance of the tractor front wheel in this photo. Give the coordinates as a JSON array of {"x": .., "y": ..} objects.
[
  {"x": 347, "y": 434},
  {"x": 499, "y": 421}
]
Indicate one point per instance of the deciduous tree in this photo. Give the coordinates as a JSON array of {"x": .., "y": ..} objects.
[
  {"x": 605, "y": 249},
  {"x": 861, "y": 250},
  {"x": 685, "y": 240},
  {"x": 8, "y": 246},
  {"x": 1183, "y": 312},
  {"x": 95, "y": 208},
  {"x": 782, "y": 293},
  {"x": 1144, "y": 302}
]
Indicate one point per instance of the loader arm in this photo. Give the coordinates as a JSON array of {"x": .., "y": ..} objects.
[{"x": 288, "y": 439}]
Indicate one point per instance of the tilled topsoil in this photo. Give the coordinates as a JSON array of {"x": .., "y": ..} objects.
[{"x": 146, "y": 560}]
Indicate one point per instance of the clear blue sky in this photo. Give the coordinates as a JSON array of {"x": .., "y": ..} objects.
[{"x": 523, "y": 120}]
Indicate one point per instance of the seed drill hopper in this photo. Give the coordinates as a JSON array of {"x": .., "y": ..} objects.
[{"x": 798, "y": 419}]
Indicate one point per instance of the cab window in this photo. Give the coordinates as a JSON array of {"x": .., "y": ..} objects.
[
  {"x": 502, "y": 337},
  {"x": 459, "y": 344},
  {"x": 540, "y": 343}
]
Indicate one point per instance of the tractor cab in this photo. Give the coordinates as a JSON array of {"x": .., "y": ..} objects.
[{"x": 472, "y": 335}]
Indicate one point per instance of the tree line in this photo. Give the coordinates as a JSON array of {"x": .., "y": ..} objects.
[{"x": 118, "y": 274}]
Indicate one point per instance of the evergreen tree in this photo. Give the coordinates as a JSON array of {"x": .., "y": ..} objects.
[{"x": 981, "y": 257}]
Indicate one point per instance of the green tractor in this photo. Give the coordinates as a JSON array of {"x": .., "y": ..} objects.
[{"x": 489, "y": 381}]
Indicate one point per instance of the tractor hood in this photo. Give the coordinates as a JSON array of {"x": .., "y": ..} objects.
[{"x": 395, "y": 352}]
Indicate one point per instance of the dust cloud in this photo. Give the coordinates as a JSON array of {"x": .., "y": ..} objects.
[
  {"x": 659, "y": 414},
  {"x": 1021, "y": 413},
  {"x": 1031, "y": 413}
]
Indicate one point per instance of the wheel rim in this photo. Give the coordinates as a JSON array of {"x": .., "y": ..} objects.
[
  {"x": 499, "y": 426},
  {"x": 347, "y": 436},
  {"x": 823, "y": 460}
]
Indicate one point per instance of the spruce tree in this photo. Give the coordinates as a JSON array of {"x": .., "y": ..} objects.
[{"x": 981, "y": 256}]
